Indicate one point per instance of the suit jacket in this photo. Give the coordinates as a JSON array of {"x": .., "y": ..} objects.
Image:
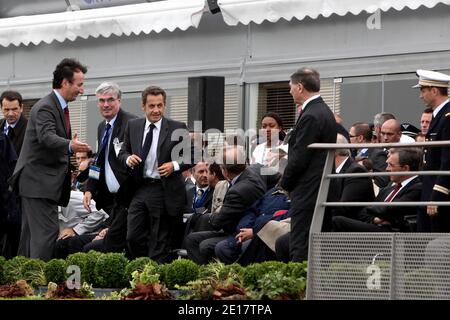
[
  {"x": 174, "y": 186},
  {"x": 305, "y": 166},
  {"x": 351, "y": 189},
  {"x": 378, "y": 156},
  {"x": 438, "y": 158},
  {"x": 248, "y": 188},
  {"x": 395, "y": 215},
  {"x": 98, "y": 188},
  {"x": 42, "y": 170},
  {"x": 19, "y": 132}
]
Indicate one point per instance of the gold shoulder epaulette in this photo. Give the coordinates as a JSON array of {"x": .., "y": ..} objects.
[{"x": 447, "y": 114}]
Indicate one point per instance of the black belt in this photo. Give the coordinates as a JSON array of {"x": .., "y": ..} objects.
[{"x": 151, "y": 180}]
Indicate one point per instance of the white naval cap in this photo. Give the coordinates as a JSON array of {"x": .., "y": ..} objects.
[{"x": 432, "y": 79}]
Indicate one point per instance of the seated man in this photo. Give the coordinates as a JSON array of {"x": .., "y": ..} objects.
[
  {"x": 257, "y": 215},
  {"x": 246, "y": 187},
  {"x": 74, "y": 221},
  {"x": 404, "y": 188},
  {"x": 207, "y": 177}
]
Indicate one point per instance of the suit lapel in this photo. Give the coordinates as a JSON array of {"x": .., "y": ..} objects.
[
  {"x": 60, "y": 112},
  {"x": 115, "y": 131},
  {"x": 140, "y": 137},
  {"x": 438, "y": 117},
  {"x": 162, "y": 135}
]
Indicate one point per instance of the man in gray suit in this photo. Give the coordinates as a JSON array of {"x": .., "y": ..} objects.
[
  {"x": 159, "y": 195},
  {"x": 42, "y": 176}
]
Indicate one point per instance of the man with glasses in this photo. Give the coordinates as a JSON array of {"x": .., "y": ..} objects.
[
  {"x": 107, "y": 172},
  {"x": 403, "y": 188}
]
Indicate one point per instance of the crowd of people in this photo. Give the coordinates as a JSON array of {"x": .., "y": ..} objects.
[{"x": 141, "y": 193}]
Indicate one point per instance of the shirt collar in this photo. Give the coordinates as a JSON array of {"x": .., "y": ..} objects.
[
  {"x": 62, "y": 102},
  {"x": 234, "y": 179},
  {"x": 111, "y": 122},
  {"x": 407, "y": 181},
  {"x": 309, "y": 100},
  {"x": 157, "y": 124},
  {"x": 439, "y": 107},
  {"x": 338, "y": 169}
]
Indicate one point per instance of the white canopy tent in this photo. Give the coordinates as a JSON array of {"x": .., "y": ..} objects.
[
  {"x": 120, "y": 20},
  {"x": 246, "y": 11}
]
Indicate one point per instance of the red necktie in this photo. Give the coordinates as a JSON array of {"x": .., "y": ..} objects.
[
  {"x": 393, "y": 193},
  {"x": 67, "y": 118},
  {"x": 299, "y": 111}
]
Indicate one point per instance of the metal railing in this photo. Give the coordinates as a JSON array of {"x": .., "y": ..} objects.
[{"x": 375, "y": 265}]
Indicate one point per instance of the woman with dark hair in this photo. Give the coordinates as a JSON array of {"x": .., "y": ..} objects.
[{"x": 271, "y": 122}]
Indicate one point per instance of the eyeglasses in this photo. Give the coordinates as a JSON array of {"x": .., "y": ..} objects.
[
  {"x": 109, "y": 100},
  {"x": 394, "y": 165},
  {"x": 351, "y": 136}
]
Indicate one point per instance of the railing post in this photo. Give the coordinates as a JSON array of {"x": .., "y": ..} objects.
[{"x": 319, "y": 212}]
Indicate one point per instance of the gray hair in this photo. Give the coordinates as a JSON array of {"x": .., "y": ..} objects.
[
  {"x": 109, "y": 87},
  {"x": 342, "y": 152}
]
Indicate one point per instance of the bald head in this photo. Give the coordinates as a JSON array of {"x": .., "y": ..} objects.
[{"x": 391, "y": 131}]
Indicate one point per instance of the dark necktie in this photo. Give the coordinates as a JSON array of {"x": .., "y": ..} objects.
[
  {"x": 104, "y": 145},
  {"x": 147, "y": 143},
  {"x": 10, "y": 132},
  {"x": 393, "y": 193},
  {"x": 67, "y": 119}
]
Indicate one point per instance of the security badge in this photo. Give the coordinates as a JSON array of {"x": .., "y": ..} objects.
[{"x": 94, "y": 172}]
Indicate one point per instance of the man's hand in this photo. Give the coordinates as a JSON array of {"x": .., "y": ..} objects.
[
  {"x": 78, "y": 146},
  {"x": 133, "y": 160},
  {"x": 165, "y": 169},
  {"x": 432, "y": 211},
  {"x": 87, "y": 201},
  {"x": 244, "y": 234},
  {"x": 66, "y": 233},
  {"x": 101, "y": 234}
]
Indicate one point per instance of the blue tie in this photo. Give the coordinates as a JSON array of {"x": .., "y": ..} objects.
[{"x": 104, "y": 146}]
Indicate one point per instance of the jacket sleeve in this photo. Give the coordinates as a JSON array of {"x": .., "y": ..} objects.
[{"x": 299, "y": 155}]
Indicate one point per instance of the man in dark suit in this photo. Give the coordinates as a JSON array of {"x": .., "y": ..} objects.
[
  {"x": 107, "y": 173},
  {"x": 13, "y": 125},
  {"x": 42, "y": 176},
  {"x": 246, "y": 186},
  {"x": 404, "y": 188},
  {"x": 315, "y": 124},
  {"x": 434, "y": 93},
  {"x": 110, "y": 136},
  {"x": 14, "y": 122},
  {"x": 156, "y": 148}
]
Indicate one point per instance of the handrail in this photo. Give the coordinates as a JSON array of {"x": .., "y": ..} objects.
[
  {"x": 386, "y": 204},
  {"x": 321, "y": 203},
  {"x": 431, "y": 144},
  {"x": 386, "y": 173}
]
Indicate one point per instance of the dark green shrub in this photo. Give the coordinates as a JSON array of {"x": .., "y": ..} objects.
[
  {"x": 231, "y": 271},
  {"x": 297, "y": 269},
  {"x": 12, "y": 269},
  {"x": 91, "y": 260},
  {"x": 137, "y": 265},
  {"x": 33, "y": 272},
  {"x": 2, "y": 264},
  {"x": 110, "y": 270},
  {"x": 252, "y": 273},
  {"x": 277, "y": 285},
  {"x": 55, "y": 271},
  {"x": 179, "y": 272}
]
